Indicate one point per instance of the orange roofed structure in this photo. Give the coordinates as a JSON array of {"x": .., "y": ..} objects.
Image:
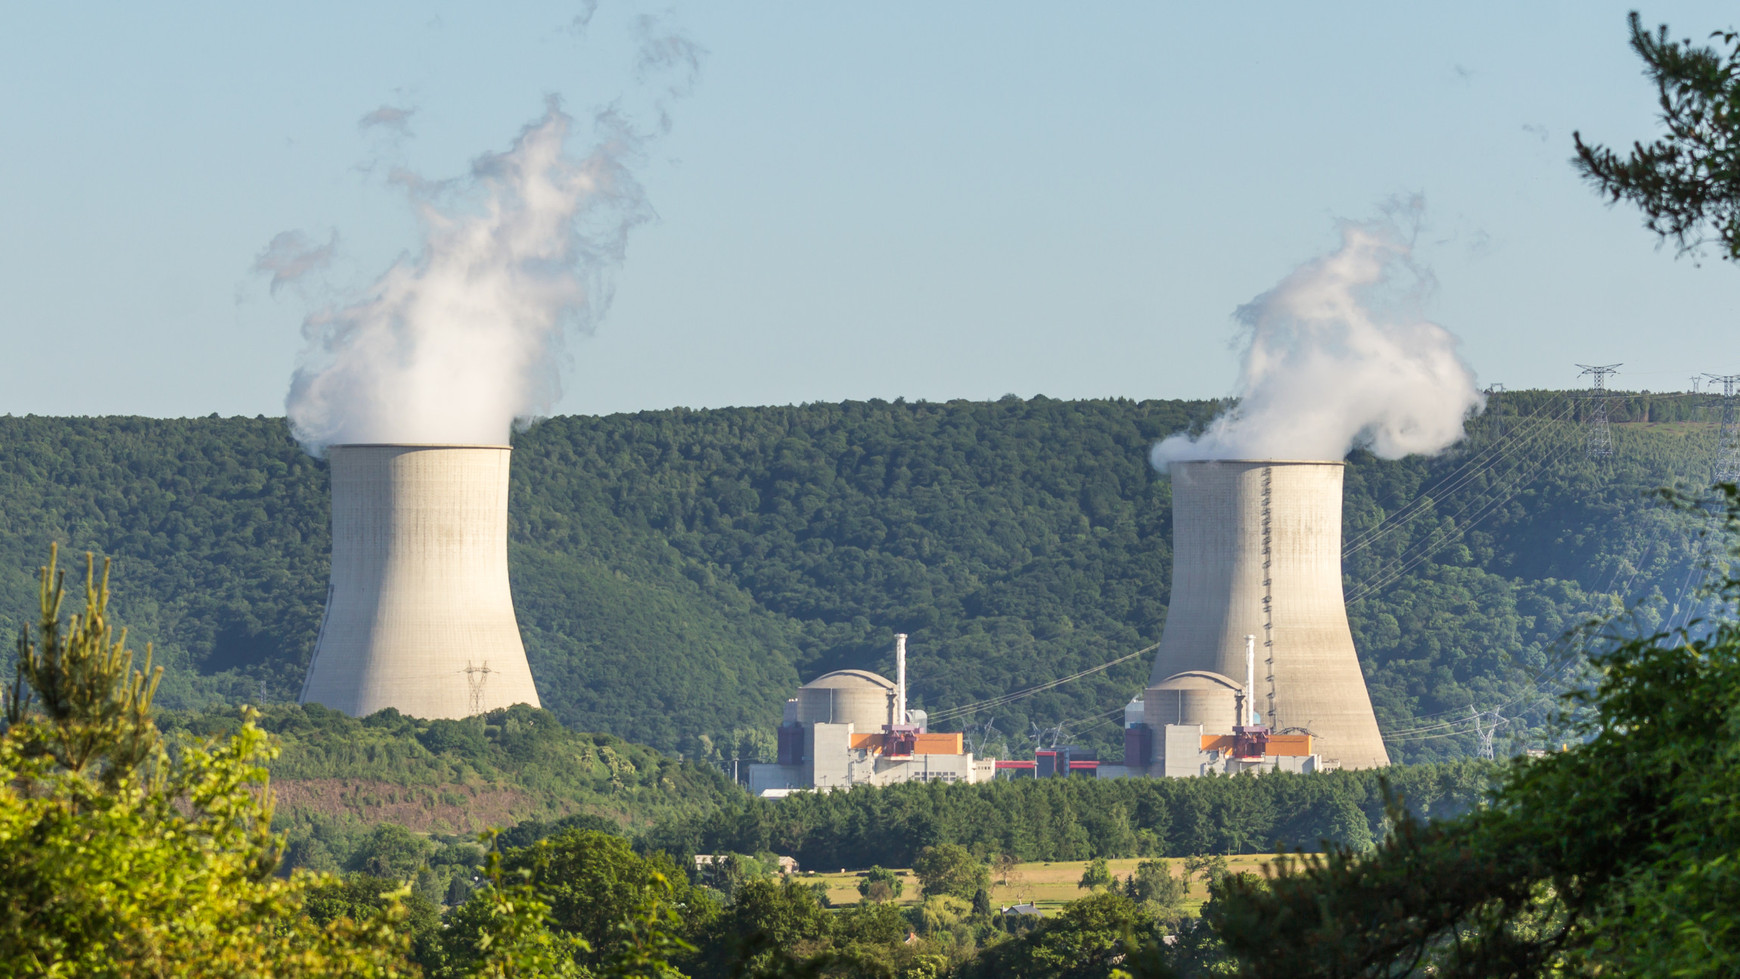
[
  {"x": 923, "y": 743},
  {"x": 852, "y": 727},
  {"x": 1278, "y": 745}
]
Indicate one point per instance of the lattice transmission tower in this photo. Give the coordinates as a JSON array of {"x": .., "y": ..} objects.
[
  {"x": 1727, "y": 468},
  {"x": 1486, "y": 734},
  {"x": 1600, "y": 440},
  {"x": 475, "y": 678},
  {"x": 1493, "y": 392}
]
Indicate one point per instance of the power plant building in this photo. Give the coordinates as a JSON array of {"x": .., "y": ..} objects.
[
  {"x": 419, "y": 615},
  {"x": 1189, "y": 750},
  {"x": 851, "y": 727},
  {"x": 1256, "y": 592}
]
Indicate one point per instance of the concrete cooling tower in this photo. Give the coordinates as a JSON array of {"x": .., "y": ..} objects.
[
  {"x": 1257, "y": 552},
  {"x": 418, "y": 612}
]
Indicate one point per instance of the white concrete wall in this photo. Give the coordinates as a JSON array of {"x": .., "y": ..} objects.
[
  {"x": 419, "y": 592},
  {"x": 836, "y": 765},
  {"x": 1184, "y": 756},
  {"x": 855, "y": 697},
  {"x": 832, "y": 765},
  {"x": 1218, "y": 598},
  {"x": 1296, "y": 763},
  {"x": 920, "y": 768},
  {"x": 1186, "y": 759},
  {"x": 765, "y": 777}
]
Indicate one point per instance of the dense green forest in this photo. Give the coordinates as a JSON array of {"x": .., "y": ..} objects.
[
  {"x": 338, "y": 778},
  {"x": 460, "y": 777},
  {"x": 677, "y": 573},
  {"x": 1079, "y": 818}
]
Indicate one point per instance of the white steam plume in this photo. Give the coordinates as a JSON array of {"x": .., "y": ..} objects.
[
  {"x": 455, "y": 343},
  {"x": 390, "y": 117},
  {"x": 458, "y": 342},
  {"x": 1339, "y": 356},
  {"x": 290, "y": 255}
]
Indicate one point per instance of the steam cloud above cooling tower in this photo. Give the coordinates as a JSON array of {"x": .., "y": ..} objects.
[
  {"x": 1338, "y": 356},
  {"x": 457, "y": 342}
]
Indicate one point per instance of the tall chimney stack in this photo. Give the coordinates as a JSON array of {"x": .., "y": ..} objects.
[
  {"x": 1250, "y": 681},
  {"x": 900, "y": 678}
]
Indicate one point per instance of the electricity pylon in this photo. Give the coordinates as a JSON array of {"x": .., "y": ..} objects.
[
  {"x": 1600, "y": 442},
  {"x": 1486, "y": 735},
  {"x": 1728, "y": 436},
  {"x": 476, "y": 677}
]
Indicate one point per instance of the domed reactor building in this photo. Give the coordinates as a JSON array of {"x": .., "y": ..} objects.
[
  {"x": 1256, "y": 668},
  {"x": 852, "y": 727},
  {"x": 419, "y": 616}
]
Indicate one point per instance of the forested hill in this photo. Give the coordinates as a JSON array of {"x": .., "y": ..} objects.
[{"x": 677, "y": 572}]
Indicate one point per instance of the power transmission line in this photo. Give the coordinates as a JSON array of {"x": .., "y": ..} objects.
[
  {"x": 1725, "y": 468},
  {"x": 1484, "y": 504},
  {"x": 1574, "y": 650},
  {"x": 1574, "y": 647},
  {"x": 1479, "y": 463},
  {"x": 964, "y": 709}
]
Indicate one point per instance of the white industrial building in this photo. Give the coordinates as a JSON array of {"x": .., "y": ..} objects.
[
  {"x": 851, "y": 727},
  {"x": 1191, "y": 750}
]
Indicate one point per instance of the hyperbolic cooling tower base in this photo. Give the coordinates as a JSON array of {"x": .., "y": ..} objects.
[
  {"x": 419, "y": 615},
  {"x": 1257, "y": 552}
]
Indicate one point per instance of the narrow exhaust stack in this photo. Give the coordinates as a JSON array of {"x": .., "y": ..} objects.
[
  {"x": 1250, "y": 681},
  {"x": 900, "y": 678}
]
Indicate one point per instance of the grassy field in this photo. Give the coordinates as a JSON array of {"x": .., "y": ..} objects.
[{"x": 1048, "y": 885}]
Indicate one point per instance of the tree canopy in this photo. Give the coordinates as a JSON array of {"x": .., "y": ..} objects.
[
  {"x": 128, "y": 854},
  {"x": 1687, "y": 181},
  {"x": 120, "y": 858},
  {"x": 1614, "y": 856}
]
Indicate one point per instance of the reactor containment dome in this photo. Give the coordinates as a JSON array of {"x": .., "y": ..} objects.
[{"x": 419, "y": 615}]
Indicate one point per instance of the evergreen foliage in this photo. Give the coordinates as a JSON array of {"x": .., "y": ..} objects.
[
  {"x": 124, "y": 853},
  {"x": 947, "y": 868},
  {"x": 880, "y": 884},
  {"x": 1076, "y": 818},
  {"x": 1687, "y": 183},
  {"x": 1096, "y": 875},
  {"x": 120, "y": 858},
  {"x": 547, "y": 770},
  {"x": 1154, "y": 885},
  {"x": 1614, "y": 857},
  {"x": 343, "y": 781},
  {"x": 1086, "y": 941}
]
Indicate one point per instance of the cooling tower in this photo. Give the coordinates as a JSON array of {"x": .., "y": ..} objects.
[
  {"x": 418, "y": 612},
  {"x": 1257, "y": 552}
]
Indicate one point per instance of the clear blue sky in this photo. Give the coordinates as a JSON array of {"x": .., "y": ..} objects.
[{"x": 874, "y": 200}]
